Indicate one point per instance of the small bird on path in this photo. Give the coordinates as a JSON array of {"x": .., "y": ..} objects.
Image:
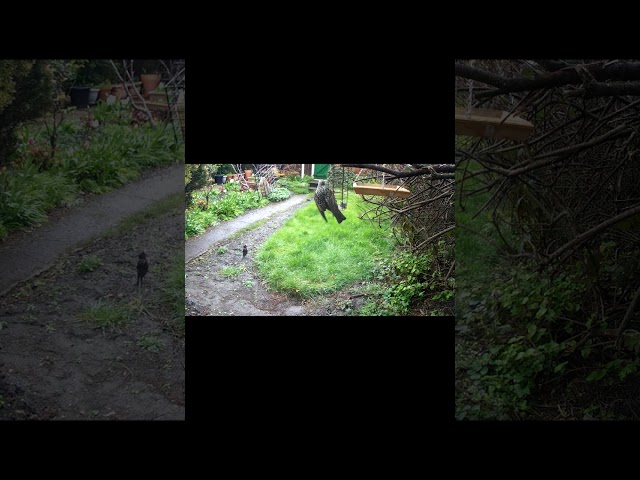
[
  {"x": 143, "y": 268},
  {"x": 325, "y": 199},
  {"x": 244, "y": 252}
]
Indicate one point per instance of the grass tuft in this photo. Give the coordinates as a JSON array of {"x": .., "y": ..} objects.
[
  {"x": 89, "y": 263},
  {"x": 107, "y": 315}
]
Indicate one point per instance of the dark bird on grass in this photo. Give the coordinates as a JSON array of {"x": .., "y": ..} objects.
[
  {"x": 143, "y": 268},
  {"x": 244, "y": 251},
  {"x": 326, "y": 200}
]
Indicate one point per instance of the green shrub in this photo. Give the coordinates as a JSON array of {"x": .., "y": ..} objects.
[
  {"x": 26, "y": 195},
  {"x": 296, "y": 186},
  {"x": 25, "y": 93},
  {"x": 411, "y": 279},
  {"x": 525, "y": 318},
  {"x": 278, "y": 195},
  {"x": 221, "y": 207}
]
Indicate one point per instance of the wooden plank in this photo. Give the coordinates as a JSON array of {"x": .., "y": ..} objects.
[
  {"x": 482, "y": 122},
  {"x": 393, "y": 191}
]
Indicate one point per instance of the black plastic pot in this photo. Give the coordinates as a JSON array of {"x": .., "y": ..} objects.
[
  {"x": 80, "y": 96},
  {"x": 218, "y": 179}
]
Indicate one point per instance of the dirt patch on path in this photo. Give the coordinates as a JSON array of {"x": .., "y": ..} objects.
[
  {"x": 210, "y": 293},
  {"x": 57, "y": 364}
]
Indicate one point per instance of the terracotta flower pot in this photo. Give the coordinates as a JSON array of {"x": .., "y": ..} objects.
[
  {"x": 150, "y": 82},
  {"x": 104, "y": 93},
  {"x": 247, "y": 174}
]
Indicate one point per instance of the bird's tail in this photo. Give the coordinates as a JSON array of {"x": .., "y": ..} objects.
[{"x": 339, "y": 216}]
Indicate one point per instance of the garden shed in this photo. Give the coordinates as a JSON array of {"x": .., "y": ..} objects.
[{"x": 315, "y": 170}]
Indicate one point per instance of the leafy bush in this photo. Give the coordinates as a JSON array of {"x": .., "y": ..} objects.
[
  {"x": 112, "y": 114},
  {"x": 113, "y": 155},
  {"x": 117, "y": 155},
  {"x": 26, "y": 195},
  {"x": 226, "y": 207},
  {"x": 232, "y": 186},
  {"x": 296, "y": 186},
  {"x": 410, "y": 279},
  {"x": 278, "y": 195},
  {"x": 25, "y": 94},
  {"x": 197, "y": 221},
  {"x": 524, "y": 319}
]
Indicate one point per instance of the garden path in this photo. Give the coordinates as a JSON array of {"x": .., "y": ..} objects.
[
  {"x": 196, "y": 246},
  {"x": 28, "y": 253}
]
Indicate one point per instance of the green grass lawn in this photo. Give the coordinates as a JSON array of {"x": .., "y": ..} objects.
[{"x": 309, "y": 257}]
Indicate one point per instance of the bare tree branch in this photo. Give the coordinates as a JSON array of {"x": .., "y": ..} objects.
[
  {"x": 144, "y": 107},
  {"x": 431, "y": 170},
  {"x": 595, "y": 231},
  {"x": 569, "y": 75}
]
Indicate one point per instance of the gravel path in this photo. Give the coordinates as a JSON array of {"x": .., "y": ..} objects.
[
  {"x": 196, "y": 246},
  {"x": 210, "y": 293},
  {"x": 28, "y": 253}
]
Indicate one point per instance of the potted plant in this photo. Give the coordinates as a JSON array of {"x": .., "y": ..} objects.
[
  {"x": 150, "y": 82},
  {"x": 214, "y": 172},
  {"x": 93, "y": 95},
  {"x": 105, "y": 89},
  {"x": 79, "y": 96},
  {"x": 231, "y": 173}
]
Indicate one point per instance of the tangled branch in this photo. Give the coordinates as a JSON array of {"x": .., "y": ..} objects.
[{"x": 569, "y": 193}]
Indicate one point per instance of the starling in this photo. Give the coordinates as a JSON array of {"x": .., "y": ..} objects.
[
  {"x": 143, "y": 267},
  {"x": 244, "y": 251},
  {"x": 325, "y": 199}
]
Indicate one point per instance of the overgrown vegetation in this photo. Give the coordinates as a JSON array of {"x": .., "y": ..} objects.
[
  {"x": 225, "y": 207},
  {"x": 407, "y": 283},
  {"x": 87, "y": 160},
  {"x": 546, "y": 326},
  {"x": 278, "y": 195},
  {"x": 25, "y": 93},
  {"x": 295, "y": 183}
]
